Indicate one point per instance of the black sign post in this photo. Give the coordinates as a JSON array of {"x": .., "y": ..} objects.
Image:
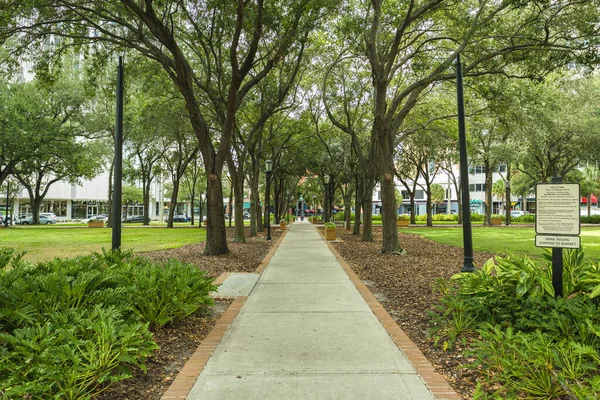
[{"x": 557, "y": 223}]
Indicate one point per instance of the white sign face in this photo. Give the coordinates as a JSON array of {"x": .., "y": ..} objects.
[
  {"x": 565, "y": 242},
  {"x": 557, "y": 209}
]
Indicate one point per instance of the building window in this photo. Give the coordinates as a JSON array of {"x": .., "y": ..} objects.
[
  {"x": 405, "y": 194},
  {"x": 477, "y": 187},
  {"x": 478, "y": 169},
  {"x": 419, "y": 195},
  {"x": 501, "y": 168}
]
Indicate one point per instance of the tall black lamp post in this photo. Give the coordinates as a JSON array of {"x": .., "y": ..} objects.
[
  {"x": 301, "y": 208},
  {"x": 315, "y": 205},
  {"x": 326, "y": 208},
  {"x": 118, "y": 175},
  {"x": 268, "y": 172},
  {"x": 7, "y": 203},
  {"x": 464, "y": 173}
]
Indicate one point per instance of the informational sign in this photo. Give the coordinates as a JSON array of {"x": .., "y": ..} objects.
[
  {"x": 565, "y": 242},
  {"x": 557, "y": 209},
  {"x": 557, "y": 215}
]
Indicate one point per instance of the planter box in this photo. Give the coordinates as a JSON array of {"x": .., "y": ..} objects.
[
  {"x": 95, "y": 224},
  {"x": 330, "y": 233},
  {"x": 402, "y": 222},
  {"x": 496, "y": 221},
  {"x": 282, "y": 226}
]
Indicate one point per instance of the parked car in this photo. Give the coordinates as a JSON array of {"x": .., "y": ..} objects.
[
  {"x": 134, "y": 218},
  {"x": 516, "y": 213},
  {"x": 246, "y": 215},
  {"x": 181, "y": 218},
  {"x": 45, "y": 219}
]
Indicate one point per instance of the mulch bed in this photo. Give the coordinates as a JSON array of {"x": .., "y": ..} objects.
[
  {"x": 403, "y": 284},
  {"x": 178, "y": 342},
  {"x": 241, "y": 258}
]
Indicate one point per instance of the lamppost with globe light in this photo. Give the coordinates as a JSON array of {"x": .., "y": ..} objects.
[
  {"x": 268, "y": 172},
  {"x": 314, "y": 206}
]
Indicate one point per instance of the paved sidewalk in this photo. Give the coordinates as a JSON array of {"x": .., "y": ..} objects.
[{"x": 305, "y": 332}]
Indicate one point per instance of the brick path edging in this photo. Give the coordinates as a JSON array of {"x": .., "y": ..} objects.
[
  {"x": 186, "y": 378},
  {"x": 436, "y": 382}
]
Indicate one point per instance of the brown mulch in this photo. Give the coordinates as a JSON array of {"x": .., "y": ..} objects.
[
  {"x": 403, "y": 284},
  {"x": 241, "y": 258},
  {"x": 178, "y": 342}
]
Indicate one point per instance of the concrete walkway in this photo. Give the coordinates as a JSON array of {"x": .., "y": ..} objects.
[{"x": 305, "y": 332}]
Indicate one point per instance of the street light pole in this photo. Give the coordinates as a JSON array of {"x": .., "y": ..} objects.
[
  {"x": 326, "y": 207},
  {"x": 301, "y": 208},
  {"x": 464, "y": 172},
  {"x": 117, "y": 193},
  {"x": 314, "y": 206},
  {"x": 268, "y": 171}
]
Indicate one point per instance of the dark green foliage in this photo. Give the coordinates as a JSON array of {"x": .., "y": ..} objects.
[
  {"x": 70, "y": 325},
  {"x": 530, "y": 344},
  {"x": 524, "y": 219},
  {"x": 592, "y": 219}
]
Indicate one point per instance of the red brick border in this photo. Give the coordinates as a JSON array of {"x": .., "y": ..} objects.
[
  {"x": 436, "y": 382},
  {"x": 186, "y": 378}
]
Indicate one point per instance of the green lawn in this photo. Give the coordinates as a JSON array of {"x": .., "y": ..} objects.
[
  {"x": 46, "y": 242},
  {"x": 499, "y": 240}
]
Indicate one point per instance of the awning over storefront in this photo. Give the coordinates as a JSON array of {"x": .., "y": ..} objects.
[{"x": 584, "y": 199}]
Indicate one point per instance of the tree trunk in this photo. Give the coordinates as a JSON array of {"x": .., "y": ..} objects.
[
  {"x": 348, "y": 209},
  {"x": 413, "y": 219},
  {"x": 200, "y": 211},
  {"x": 173, "y": 205},
  {"x": 391, "y": 243},
  {"x": 192, "y": 200},
  {"x": 589, "y": 204},
  {"x": 216, "y": 238},
  {"x": 367, "y": 194},
  {"x": 488, "y": 194},
  {"x": 429, "y": 205},
  {"x": 237, "y": 181},
  {"x": 254, "y": 199},
  {"x": 358, "y": 199},
  {"x": 146, "y": 203}
]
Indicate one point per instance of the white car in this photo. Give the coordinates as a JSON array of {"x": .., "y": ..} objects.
[
  {"x": 516, "y": 213},
  {"x": 45, "y": 219}
]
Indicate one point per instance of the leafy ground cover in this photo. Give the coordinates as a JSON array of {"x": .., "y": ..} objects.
[
  {"x": 71, "y": 327},
  {"x": 47, "y": 242},
  {"x": 504, "y": 240}
]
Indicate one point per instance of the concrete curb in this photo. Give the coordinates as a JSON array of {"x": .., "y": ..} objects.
[
  {"x": 186, "y": 378},
  {"x": 436, "y": 382}
]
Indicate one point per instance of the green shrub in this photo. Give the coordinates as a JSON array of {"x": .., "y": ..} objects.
[
  {"x": 477, "y": 217},
  {"x": 444, "y": 217},
  {"x": 376, "y": 217},
  {"x": 524, "y": 219},
  {"x": 499, "y": 216},
  {"x": 70, "y": 325},
  {"x": 329, "y": 225},
  {"x": 72, "y": 353},
  {"x": 529, "y": 344},
  {"x": 403, "y": 217},
  {"x": 592, "y": 219}
]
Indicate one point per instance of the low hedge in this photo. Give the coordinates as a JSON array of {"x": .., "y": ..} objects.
[{"x": 69, "y": 327}]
